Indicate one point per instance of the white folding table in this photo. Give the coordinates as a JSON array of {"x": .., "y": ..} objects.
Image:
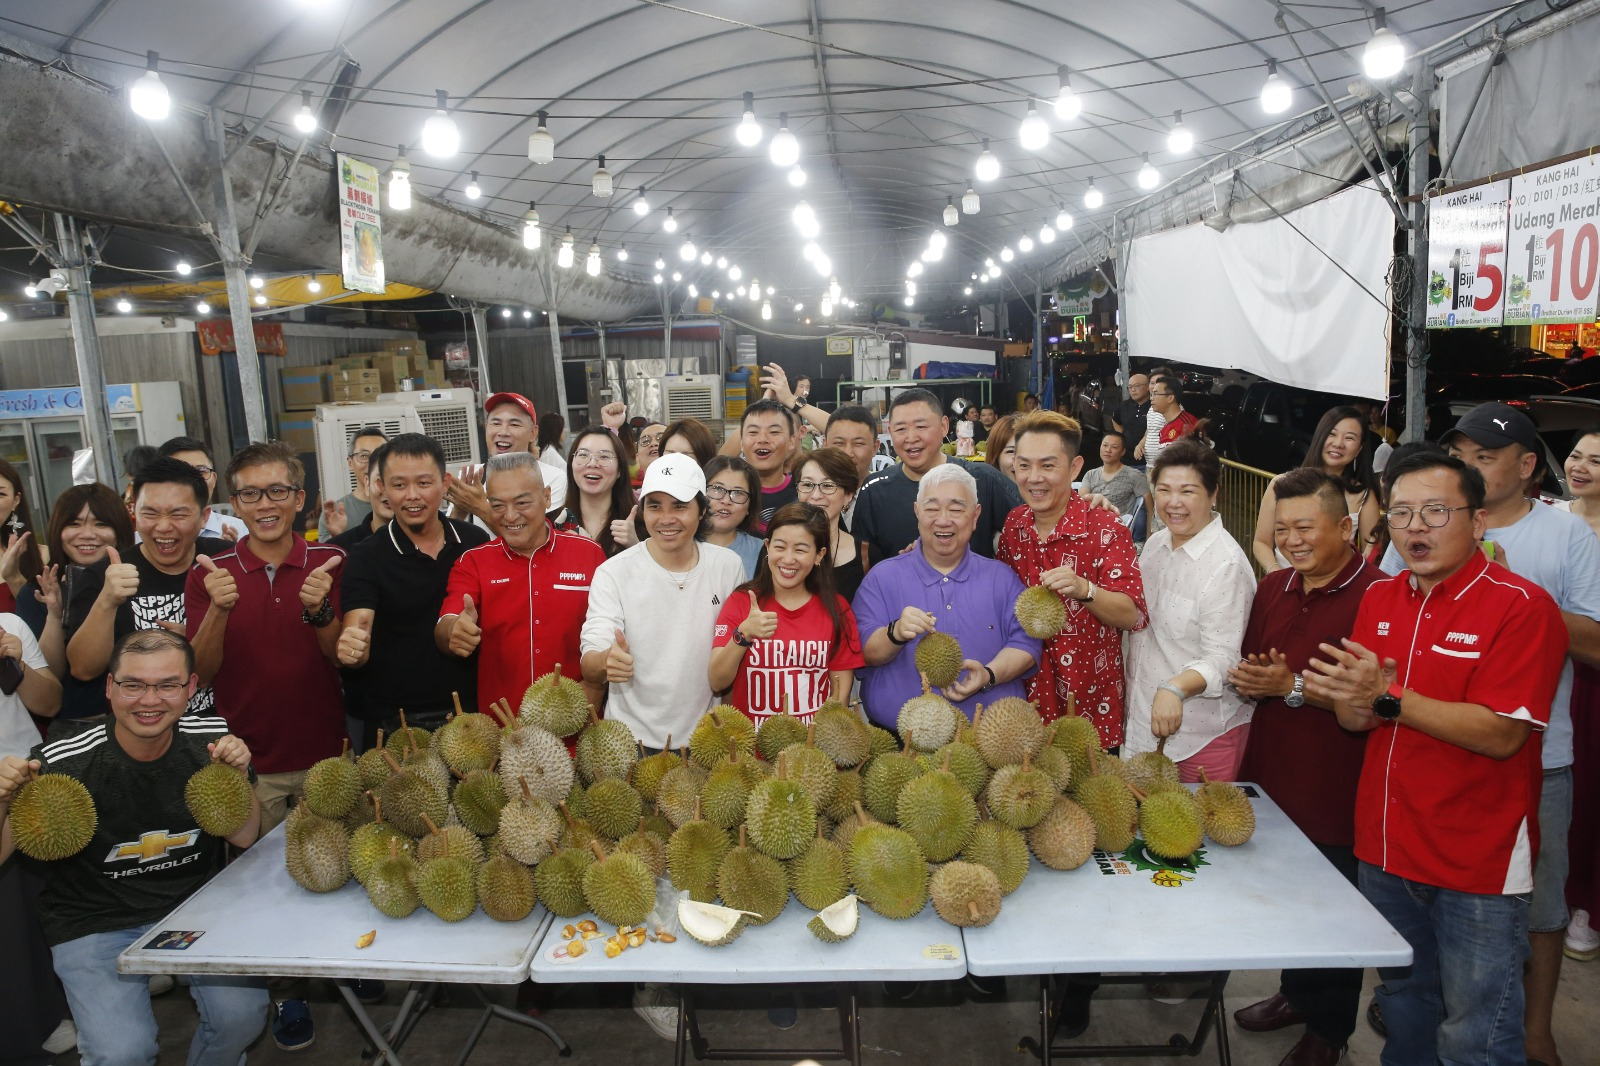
[
  {"x": 782, "y": 952},
  {"x": 1271, "y": 903},
  {"x": 252, "y": 919}
]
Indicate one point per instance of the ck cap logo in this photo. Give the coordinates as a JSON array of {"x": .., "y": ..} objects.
[{"x": 152, "y": 846}]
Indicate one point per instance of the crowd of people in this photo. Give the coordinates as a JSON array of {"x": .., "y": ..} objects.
[{"x": 1403, "y": 682}]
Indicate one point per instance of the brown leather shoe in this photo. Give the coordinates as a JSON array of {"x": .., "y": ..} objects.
[
  {"x": 1269, "y": 1015},
  {"x": 1312, "y": 1050}
]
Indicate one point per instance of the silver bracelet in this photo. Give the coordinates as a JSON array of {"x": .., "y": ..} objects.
[{"x": 1168, "y": 686}]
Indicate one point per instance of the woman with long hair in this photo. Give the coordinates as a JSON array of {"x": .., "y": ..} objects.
[
  {"x": 689, "y": 436},
  {"x": 734, "y": 489},
  {"x": 828, "y": 479},
  {"x": 552, "y": 428},
  {"x": 20, "y": 562},
  {"x": 1337, "y": 450},
  {"x": 999, "y": 451},
  {"x": 600, "y": 502},
  {"x": 787, "y": 641}
]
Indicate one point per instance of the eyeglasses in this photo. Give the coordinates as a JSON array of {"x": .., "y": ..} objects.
[
  {"x": 167, "y": 690},
  {"x": 1153, "y": 392},
  {"x": 275, "y": 493},
  {"x": 720, "y": 492},
  {"x": 827, "y": 488},
  {"x": 205, "y": 471},
  {"x": 602, "y": 458},
  {"x": 650, "y": 440},
  {"x": 1434, "y": 515},
  {"x": 361, "y": 457}
]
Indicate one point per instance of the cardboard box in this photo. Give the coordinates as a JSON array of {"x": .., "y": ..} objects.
[
  {"x": 433, "y": 376},
  {"x": 392, "y": 369},
  {"x": 352, "y": 362},
  {"x": 303, "y": 387},
  {"x": 302, "y": 436},
  {"x": 354, "y": 386}
]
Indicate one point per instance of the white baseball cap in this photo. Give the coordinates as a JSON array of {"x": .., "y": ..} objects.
[{"x": 679, "y": 476}]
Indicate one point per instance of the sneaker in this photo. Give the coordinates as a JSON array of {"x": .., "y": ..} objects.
[
  {"x": 658, "y": 1006},
  {"x": 1375, "y": 1019},
  {"x": 1582, "y": 943},
  {"x": 161, "y": 984},
  {"x": 368, "y": 992},
  {"x": 291, "y": 1025},
  {"x": 1169, "y": 993},
  {"x": 62, "y": 1039}
]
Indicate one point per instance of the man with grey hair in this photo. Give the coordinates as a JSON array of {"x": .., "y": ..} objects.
[
  {"x": 942, "y": 585},
  {"x": 518, "y": 602}
]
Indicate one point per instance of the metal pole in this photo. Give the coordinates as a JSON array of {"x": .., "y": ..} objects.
[
  {"x": 1419, "y": 137},
  {"x": 1124, "y": 363},
  {"x": 86, "y": 352},
  {"x": 480, "y": 335},
  {"x": 555, "y": 359},
  {"x": 234, "y": 272},
  {"x": 1038, "y": 335}
]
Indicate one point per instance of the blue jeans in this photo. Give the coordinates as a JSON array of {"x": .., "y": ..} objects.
[
  {"x": 1459, "y": 1003},
  {"x": 116, "y": 1026}
]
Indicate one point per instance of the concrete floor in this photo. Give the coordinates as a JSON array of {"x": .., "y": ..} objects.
[{"x": 941, "y": 1024}]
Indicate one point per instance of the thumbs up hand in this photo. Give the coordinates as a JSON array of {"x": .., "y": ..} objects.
[
  {"x": 121, "y": 581},
  {"x": 318, "y": 584},
  {"x": 465, "y": 634},
  {"x": 354, "y": 644},
  {"x": 622, "y": 528},
  {"x": 220, "y": 586},
  {"x": 760, "y": 625},
  {"x": 619, "y": 661}
]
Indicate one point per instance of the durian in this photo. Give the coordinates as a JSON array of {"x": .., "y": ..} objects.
[
  {"x": 527, "y": 826},
  {"x": 965, "y": 894},
  {"x": 614, "y": 807},
  {"x": 505, "y": 889},
  {"x": 316, "y": 851},
  {"x": 606, "y": 748},
  {"x": 842, "y": 735},
  {"x": 812, "y": 768},
  {"x": 1007, "y": 730},
  {"x": 408, "y": 738},
  {"x": 938, "y": 812},
  {"x": 708, "y": 744},
  {"x": 970, "y": 768},
  {"x": 221, "y": 800},
  {"x": 1110, "y": 804},
  {"x": 726, "y": 791},
  {"x": 837, "y": 921},
  {"x": 478, "y": 799},
  {"x": 1020, "y": 795},
  {"x": 1229, "y": 818},
  {"x": 694, "y": 854},
  {"x": 649, "y": 846},
  {"x": 1147, "y": 767},
  {"x": 555, "y": 703},
  {"x": 448, "y": 887},
  {"x": 372, "y": 767},
  {"x": 559, "y": 880},
  {"x": 331, "y": 788},
  {"x": 751, "y": 881},
  {"x": 468, "y": 742},
  {"x": 1042, "y": 612},
  {"x": 410, "y": 801},
  {"x": 885, "y": 777},
  {"x": 1075, "y": 736},
  {"x": 939, "y": 659},
  {"x": 619, "y": 887},
  {"x": 537, "y": 755},
  {"x": 1002, "y": 849},
  {"x": 781, "y": 817},
  {"x": 889, "y": 870},
  {"x": 1064, "y": 838},
  {"x": 817, "y": 875},
  {"x": 779, "y": 731},
  {"x": 1170, "y": 825},
  {"x": 389, "y": 883},
  {"x": 455, "y": 840},
  {"x": 370, "y": 844},
  {"x": 710, "y": 924},
  {"x": 680, "y": 791},
  {"x": 52, "y": 817},
  {"x": 929, "y": 718},
  {"x": 650, "y": 769}
]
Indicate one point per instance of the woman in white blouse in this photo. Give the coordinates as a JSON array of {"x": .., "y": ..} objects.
[{"x": 1198, "y": 584}]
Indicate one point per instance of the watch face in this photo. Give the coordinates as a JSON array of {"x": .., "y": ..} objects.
[{"x": 1386, "y": 707}]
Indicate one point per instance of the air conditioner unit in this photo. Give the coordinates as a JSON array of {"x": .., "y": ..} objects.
[
  {"x": 337, "y": 425},
  {"x": 449, "y": 416},
  {"x": 693, "y": 396}
]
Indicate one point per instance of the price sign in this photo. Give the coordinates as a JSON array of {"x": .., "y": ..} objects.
[
  {"x": 1553, "y": 256},
  {"x": 1467, "y": 256}
]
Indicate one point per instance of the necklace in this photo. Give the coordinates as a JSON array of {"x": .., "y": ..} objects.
[{"x": 680, "y": 579}]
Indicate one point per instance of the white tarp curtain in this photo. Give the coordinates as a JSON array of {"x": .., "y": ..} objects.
[{"x": 1263, "y": 298}]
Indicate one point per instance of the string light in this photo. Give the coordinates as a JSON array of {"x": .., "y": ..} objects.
[
  {"x": 1180, "y": 140},
  {"x": 785, "y": 147},
  {"x": 124, "y": 306},
  {"x": 1006, "y": 254},
  {"x": 148, "y": 97},
  {"x": 823, "y": 264},
  {"x": 473, "y": 189},
  {"x": 693, "y": 290},
  {"x": 722, "y": 262},
  {"x": 967, "y": 291},
  {"x": 797, "y": 176},
  {"x": 530, "y": 227},
  {"x": 440, "y": 138},
  {"x": 826, "y": 307},
  {"x": 505, "y": 312},
  {"x": 400, "y": 182},
  {"x": 600, "y": 184},
  {"x": 657, "y": 279},
  {"x": 591, "y": 265},
  {"x": 951, "y": 215},
  {"x": 740, "y": 291},
  {"x": 1046, "y": 234},
  {"x": 748, "y": 132},
  {"x": 304, "y": 120},
  {"x": 988, "y": 167},
  {"x": 734, "y": 273},
  {"x": 969, "y": 202},
  {"x": 1068, "y": 104},
  {"x": 622, "y": 253},
  {"x": 910, "y": 301},
  {"x": 669, "y": 224},
  {"x": 805, "y": 220},
  {"x": 834, "y": 291},
  {"x": 313, "y": 285},
  {"x": 183, "y": 267},
  {"x": 1276, "y": 93},
  {"x": 938, "y": 240},
  {"x": 1034, "y": 133},
  {"x": 766, "y": 310},
  {"x": 810, "y": 250},
  {"x": 261, "y": 300},
  {"x": 526, "y": 313},
  {"x": 1093, "y": 198},
  {"x": 1063, "y": 219},
  {"x": 799, "y": 307},
  {"x": 1382, "y": 58},
  {"x": 641, "y": 206},
  {"x": 1149, "y": 176},
  {"x": 541, "y": 146},
  {"x": 660, "y": 263},
  {"x": 914, "y": 270},
  {"x": 911, "y": 288},
  {"x": 677, "y": 275},
  {"x": 705, "y": 258},
  {"x": 564, "y": 254},
  {"x": 687, "y": 251},
  {"x": 1025, "y": 244},
  {"x": 202, "y": 308},
  {"x": 257, "y": 281}
]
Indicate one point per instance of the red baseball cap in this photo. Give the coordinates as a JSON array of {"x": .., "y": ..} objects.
[{"x": 517, "y": 398}]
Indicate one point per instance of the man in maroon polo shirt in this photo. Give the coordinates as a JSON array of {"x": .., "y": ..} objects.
[
  {"x": 518, "y": 602},
  {"x": 1297, "y": 750},
  {"x": 1452, "y": 665}
]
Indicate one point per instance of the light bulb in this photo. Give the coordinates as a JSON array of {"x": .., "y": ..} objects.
[
  {"x": 823, "y": 264},
  {"x": 988, "y": 167},
  {"x": 1276, "y": 94},
  {"x": 1068, "y": 105},
  {"x": 911, "y": 288},
  {"x": 797, "y": 176},
  {"x": 622, "y": 253},
  {"x": 755, "y": 293},
  {"x": 740, "y": 291},
  {"x": 969, "y": 202},
  {"x": 505, "y": 312},
  {"x": 810, "y": 251},
  {"x": 1006, "y": 254},
  {"x": 656, "y": 279},
  {"x": 641, "y": 206},
  {"x": 601, "y": 184},
  {"x": 677, "y": 275},
  {"x": 660, "y": 263},
  {"x": 716, "y": 294},
  {"x": 687, "y": 251},
  {"x": 766, "y": 309},
  {"x": 400, "y": 182},
  {"x": 440, "y": 138},
  {"x": 1093, "y": 198},
  {"x": 148, "y": 97},
  {"x": 937, "y": 239},
  {"x": 1046, "y": 234},
  {"x": 951, "y": 215},
  {"x": 1149, "y": 176},
  {"x": 261, "y": 300},
  {"x": 526, "y": 313},
  {"x": 530, "y": 227},
  {"x": 694, "y": 290},
  {"x": 183, "y": 267},
  {"x": 915, "y": 269},
  {"x": 1180, "y": 140},
  {"x": 910, "y": 301},
  {"x": 1025, "y": 244},
  {"x": 1382, "y": 59},
  {"x": 669, "y": 224},
  {"x": 748, "y": 132},
  {"x": 785, "y": 147},
  {"x": 202, "y": 308},
  {"x": 591, "y": 265},
  {"x": 805, "y": 220},
  {"x": 734, "y": 273},
  {"x": 313, "y": 285},
  {"x": 257, "y": 281},
  {"x": 927, "y": 255},
  {"x": 541, "y": 146},
  {"x": 799, "y": 307},
  {"x": 473, "y": 189},
  {"x": 1063, "y": 220},
  {"x": 304, "y": 120},
  {"x": 826, "y": 307},
  {"x": 833, "y": 288},
  {"x": 705, "y": 258},
  {"x": 564, "y": 253},
  {"x": 967, "y": 291},
  {"x": 722, "y": 262},
  {"x": 1034, "y": 133}
]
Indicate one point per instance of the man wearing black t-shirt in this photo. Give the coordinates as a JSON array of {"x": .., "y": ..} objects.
[
  {"x": 767, "y": 439},
  {"x": 146, "y": 855},
  {"x": 141, "y": 586}
]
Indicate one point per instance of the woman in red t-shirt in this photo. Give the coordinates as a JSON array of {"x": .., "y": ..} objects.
[{"x": 787, "y": 640}]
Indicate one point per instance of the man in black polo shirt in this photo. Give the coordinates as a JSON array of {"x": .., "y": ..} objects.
[
  {"x": 392, "y": 587},
  {"x": 1132, "y": 413}
]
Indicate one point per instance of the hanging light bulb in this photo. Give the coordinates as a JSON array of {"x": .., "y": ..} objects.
[
  {"x": 505, "y": 312},
  {"x": 564, "y": 253},
  {"x": 622, "y": 253},
  {"x": 257, "y": 281},
  {"x": 1025, "y": 244},
  {"x": 755, "y": 292},
  {"x": 797, "y": 176},
  {"x": 526, "y": 313},
  {"x": 938, "y": 240},
  {"x": 1063, "y": 219},
  {"x": 951, "y": 215},
  {"x": 1382, "y": 58},
  {"x": 313, "y": 285},
  {"x": 657, "y": 279},
  {"x": 833, "y": 289},
  {"x": 967, "y": 291},
  {"x": 823, "y": 264},
  {"x": 969, "y": 202},
  {"x": 183, "y": 267},
  {"x": 541, "y": 146},
  {"x": 400, "y": 182},
  {"x": 601, "y": 184},
  {"x": 715, "y": 295},
  {"x": 694, "y": 290},
  {"x": 202, "y": 308},
  {"x": 687, "y": 251},
  {"x": 530, "y": 227},
  {"x": 1276, "y": 94},
  {"x": 1093, "y": 198},
  {"x": 915, "y": 269},
  {"x": 740, "y": 291},
  {"x": 660, "y": 263},
  {"x": 1047, "y": 235},
  {"x": 148, "y": 97},
  {"x": 810, "y": 250},
  {"x": 440, "y": 138},
  {"x": 591, "y": 265},
  {"x": 669, "y": 224},
  {"x": 826, "y": 307},
  {"x": 785, "y": 147},
  {"x": 927, "y": 255},
  {"x": 705, "y": 258},
  {"x": 304, "y": 120},
  {"x": 1068, "y": 105},
  {"x": 748, "y": 132},
  {"x": 261, "y": 301},
  {"x": 641, "y": 206},
  {"x": 805, "y": 220},
  {"x": 988, "y": 167},
  {"x": 677, "y": 275},
  {"x": 734, "y": 273},
  {"x": 1149, "y": 176},
  {"x": 911, "y": 288},
  {"x": 1180, "y": 140},
  {"x": 1034, "y": 133},
  {"x": 799, "y": 307},
  {"x": 910, "y": 301},
  {"x": 473, "y": 189},
  {"x": 766, "y": 310},
  {"x": 1006, "y": 254}
]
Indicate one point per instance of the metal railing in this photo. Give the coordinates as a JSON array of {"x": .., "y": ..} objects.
[{"x": 1239, "y": 500}]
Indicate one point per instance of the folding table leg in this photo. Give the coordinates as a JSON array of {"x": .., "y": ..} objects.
[
  {"x": 849, "y": 1023},
  {"x": 374, "y": 1034},
  {"x": 494, "y": 1010}
]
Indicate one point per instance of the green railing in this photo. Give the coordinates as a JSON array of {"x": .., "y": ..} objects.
[{"x": 1239, "y": 500}]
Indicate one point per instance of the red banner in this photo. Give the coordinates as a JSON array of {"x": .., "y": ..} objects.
[{"x": 216, "y": 337}]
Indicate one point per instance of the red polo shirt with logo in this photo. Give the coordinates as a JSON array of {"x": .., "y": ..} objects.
[
  {"x": 278, "y": 692},
  {"x": 1181, "y": 426},
  {"x": 530, "y": 608},
  {"x": 1428, "y": 810}
]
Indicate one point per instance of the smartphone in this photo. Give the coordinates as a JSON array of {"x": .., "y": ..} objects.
[{"x": 10, "y": 675}]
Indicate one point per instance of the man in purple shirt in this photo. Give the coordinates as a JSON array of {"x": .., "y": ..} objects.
[{"x": 938, "y": 584}]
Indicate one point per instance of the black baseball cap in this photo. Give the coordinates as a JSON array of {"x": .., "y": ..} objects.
[{"x": 1495, "y": 425}]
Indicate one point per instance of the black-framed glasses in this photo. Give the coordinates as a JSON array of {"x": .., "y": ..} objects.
[
  {"x": 275, "y": 493},
  {"x": 361, "y": 456},
  {"x": 167, "y": 690},
  {"x": 718, "y": 492},
  {"x": 205, "y": 471},
  {"x": 1434, "y": 515},
  {"x": 827, "y": 488}
]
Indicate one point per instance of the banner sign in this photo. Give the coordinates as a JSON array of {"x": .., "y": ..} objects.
[
  {"x": 67, "y": 400},
  {"x": 1553, "y": 255},
  {"x": 216, "y": 337},
  {"x": 1467, "y": 256},
  {"x": 1077, "y": 297},
  {"x": 360, "y": 229}
]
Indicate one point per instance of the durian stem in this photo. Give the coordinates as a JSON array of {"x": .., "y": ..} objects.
[
  {"x": 380, "y": 737},
  {"x": 946, "y": 766},
  {"x": 668, "y": 745},
  {"x": 394, "y": 847},
  {"x": 403, "y": 726},
  {"x": 455, "y": 698},
  {"x": 697, "y": 808},
  {"x": 594, "y": 715},
  {"x": 505, "y": 708},
  {"x": 1204, "y": 780},
  {"x": 861, "y": 813},
  {"x": 811, "y": 729},
  {"x": 1072, "y": 703},
  {"x": 432, "y": 829},
  {"x": 1027, "y": 758},
  {"x": 972, "y": 908},
  {"x": 498, "y": 714},
  {"x": 599, "y": 852},
  {"x": 527, "y": 793},
  {"x": 907, "y": 749},
  {"x": 389, "y": 758},
  {"x": 567, "y": 814},
  {"x": 977, "y": 714},
  {"x": 345, "y": 751},
  {"x": 1161, "y": 746},
  {"x": 377, "y": 807},
  {"x": 741, "y": 834},
  {"x": 1138, "y": 793}
]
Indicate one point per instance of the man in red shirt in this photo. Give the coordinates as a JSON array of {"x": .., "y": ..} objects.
[
  {"x": 518, "y": 602},
  {"x": 1086, "y": 556},
  {"x": 1452, "y": 665},
  {"x": 1297, "y": 751}
]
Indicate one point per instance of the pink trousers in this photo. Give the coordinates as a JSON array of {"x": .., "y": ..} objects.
[{"x": 1220, "y": 759}]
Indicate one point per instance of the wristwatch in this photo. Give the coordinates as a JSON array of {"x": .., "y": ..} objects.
[
  {"x": 1297, "y": 695},
  {"x": 1088, "y": 597},
  {"x": 1387, "y": 706},
  {"x": 740, "y": 639}
]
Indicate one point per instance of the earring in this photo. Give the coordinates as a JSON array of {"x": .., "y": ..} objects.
[{"x": 15, "y": 523}]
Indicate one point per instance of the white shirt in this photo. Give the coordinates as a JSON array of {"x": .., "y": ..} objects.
[
  {"x": 668, "y": 629},
  {"x": 1199, "y": 598},
  {"x": 18, "y": 734},
  {"x": 1154, "y": 423}
]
